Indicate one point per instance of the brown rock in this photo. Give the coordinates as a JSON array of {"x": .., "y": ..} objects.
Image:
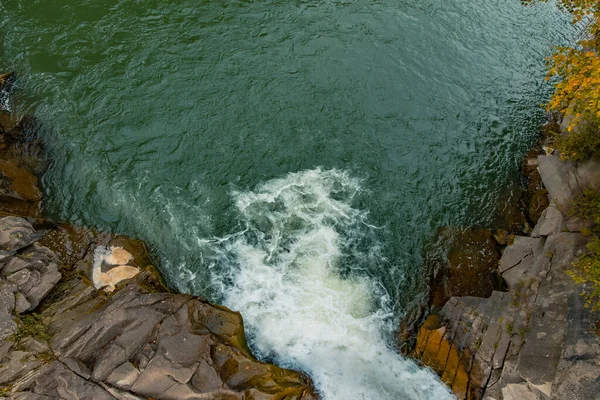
[
  {"x": 156, "y": 343},
  {"x": 432, "y": 322},
  {"x": 436, "y": 350},
  {"x": 537, "y": 204},
  {"x": 16, "y": 233},
  {"x": 452, "y": 365},
  {"x": 460, "y": 385},
  {"x": 69, "y": 243},
  {"x": 5, "y": 79},
  {"x": 501, "y": 236},
  {"x": 55, "y": 380},
  {"x": 468, "y": 268},
  {"x": 19, "y": 181},
  {"x": 20, "y": 163}
]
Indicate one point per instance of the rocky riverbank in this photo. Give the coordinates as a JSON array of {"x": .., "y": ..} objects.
[
  {"x": 535, "y": 339},
  {"x": 84, "y": 315}
]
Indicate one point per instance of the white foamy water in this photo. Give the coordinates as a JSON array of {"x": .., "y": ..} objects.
[
  {"x": 5, "y": 101},
  {"x": 295, "y": 272}
]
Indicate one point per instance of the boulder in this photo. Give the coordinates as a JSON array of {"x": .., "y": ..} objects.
[
  {"x": 34, "y": 270},
  {"x": 48, "y": 278},
  {"x": 18, "y": 180},
  {"x": 536, "y": 204},
  {"x": 518, "y": 259},
  {"x": 567, "y": 179},
  {"x": 560, "y": 178},
  {"x": 465, "y": 342},
  {"x": 7, "y": 304},
  {"x": 16, "y": 233},
  {"x": 21, "y": 161},
  {"x": 534, "y": 196},
  {"x": 519, "y": 391},
  {"x": 16, "y": 364},
  {"x": 550, "y": 222},
  {"x": 21, "y": 303},
  {"x": 468, "y": 266}
]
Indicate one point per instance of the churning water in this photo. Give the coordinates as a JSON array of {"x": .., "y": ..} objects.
[
  {"x": 288, "y": 158},
  {"x": 284, "y": 273}
]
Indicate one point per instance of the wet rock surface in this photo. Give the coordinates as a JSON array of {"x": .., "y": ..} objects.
[
  {"x": 21, "y": 159},
  {"x": 519, "y": 344},
  {"x": 468, "y": 266}
]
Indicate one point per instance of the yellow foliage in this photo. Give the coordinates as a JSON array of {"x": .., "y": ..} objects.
[
  {"x": 577, "y": 93},
  {"x": 586, "y": 272},
  {"x": 577, "y": 69},
  {"x": 579, "y": 8}
]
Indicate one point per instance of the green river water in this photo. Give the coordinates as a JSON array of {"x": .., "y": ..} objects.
[{"x": 287, "y": 158}]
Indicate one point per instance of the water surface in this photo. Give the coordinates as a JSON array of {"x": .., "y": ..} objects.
[{"x": 288, "y": 158}]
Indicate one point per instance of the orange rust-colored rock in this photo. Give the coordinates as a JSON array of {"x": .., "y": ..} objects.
[
  {"x": 20, "y": 193},
  {"x": 432, "y": 322},
  {"x": 460, "y": 385},
  {"x": 452, "y": 365},
  {"x": 437, "y": 351},
  {"x": 20, "y": 181},
  {"x": 432, "y": 348}
]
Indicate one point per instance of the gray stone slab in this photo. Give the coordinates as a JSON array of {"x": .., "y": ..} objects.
[
  {"x": 57, "y": 381},
  {"x": 16, "y": 233},
  {"x": 560, "y": 179},
  {"x": 520, "y": 391},
  {"x": 521, "y": 249},
  {"x": 550, "y": 222},
  {"x": 124, "y": 376}
]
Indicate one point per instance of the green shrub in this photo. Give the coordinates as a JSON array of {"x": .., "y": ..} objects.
[
  {"x": 586, "y": 271},
  {"x": 580, "y": 144},
  {"x": 587, "y": 206},
  {"x": 30, "y": 325}
]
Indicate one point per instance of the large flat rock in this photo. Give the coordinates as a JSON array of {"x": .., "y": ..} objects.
[
  {"x": 141, "y": 341},
  {"x": 517, "y": 263}
]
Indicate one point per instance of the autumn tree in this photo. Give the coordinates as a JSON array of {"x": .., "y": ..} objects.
[{"x": 576, "y": 71}]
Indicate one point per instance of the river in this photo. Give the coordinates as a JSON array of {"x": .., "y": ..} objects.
[{"x": 289, "y": 159}]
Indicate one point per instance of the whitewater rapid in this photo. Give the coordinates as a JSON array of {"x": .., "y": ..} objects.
[{"x": 294, "y": 272}]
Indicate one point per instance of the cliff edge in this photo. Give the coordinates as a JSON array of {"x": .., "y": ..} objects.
[{"x": 536, "y": 340}]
